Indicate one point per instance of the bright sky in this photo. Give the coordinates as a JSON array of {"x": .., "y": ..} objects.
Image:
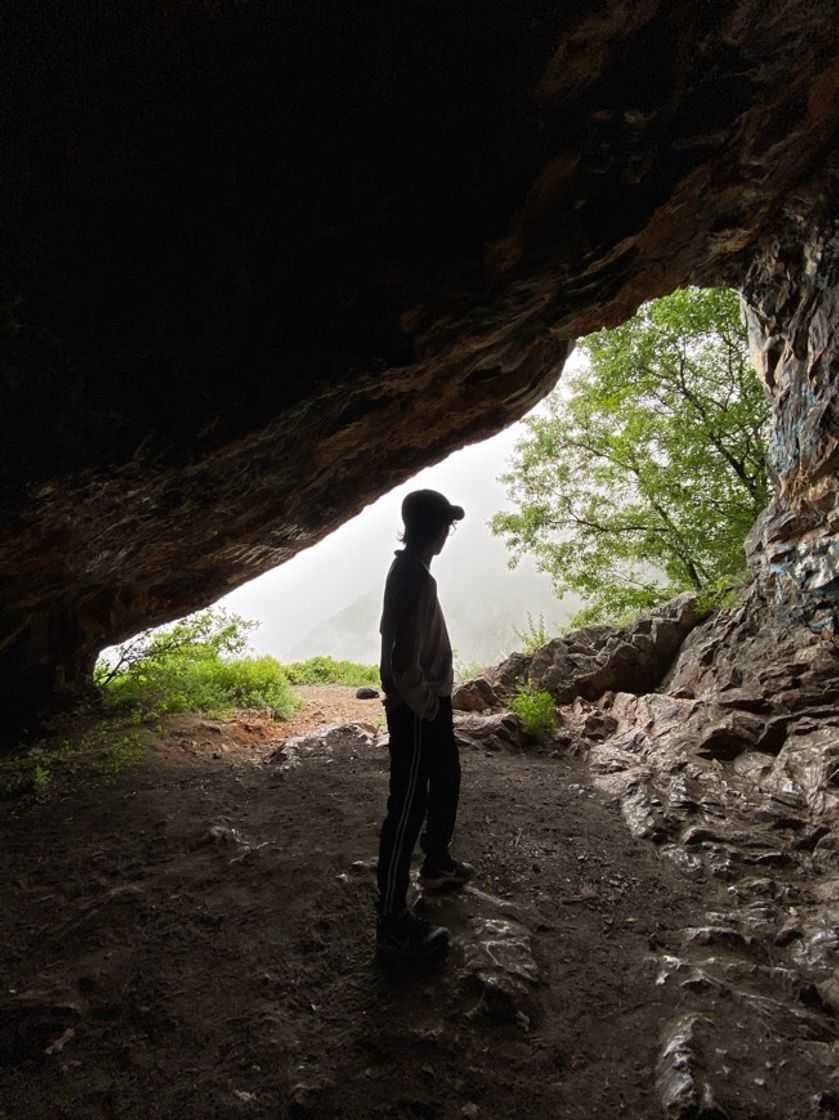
[{"x": 289, "y": 600}]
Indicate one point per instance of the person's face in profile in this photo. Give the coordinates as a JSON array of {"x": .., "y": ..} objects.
[{"x": 442, "y": 537}]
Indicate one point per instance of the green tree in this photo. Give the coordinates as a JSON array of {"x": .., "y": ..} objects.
[{"x": 642, "y": 479}]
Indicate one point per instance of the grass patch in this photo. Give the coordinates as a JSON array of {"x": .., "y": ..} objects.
[
  {"x": 97, "y": 754},
  {"x": 328, "y": 670}
]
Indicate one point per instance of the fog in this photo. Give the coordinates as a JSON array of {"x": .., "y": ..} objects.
[{"x": 343, "y": 574}]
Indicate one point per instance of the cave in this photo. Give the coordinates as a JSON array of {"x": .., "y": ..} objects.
[
  {"x": 245, "y": 242},
  {"x": 265, "y": 260}
]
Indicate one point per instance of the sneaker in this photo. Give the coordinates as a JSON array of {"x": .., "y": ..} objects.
[
  {"x": 438, "y": 878},
  {"x": 408, "y": 937}
]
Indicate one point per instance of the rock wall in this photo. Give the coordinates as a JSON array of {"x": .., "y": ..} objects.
[
  {"x": 731, "y": 768},
  {"x": 266, "y": 260},
  {"x": 792, "y": 301},
  {"x": 729, "y": 762}
]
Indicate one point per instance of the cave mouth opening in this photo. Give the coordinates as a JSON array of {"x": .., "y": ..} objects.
[
  {"x": 669, "y": 400},
  {"x": 237, "y": 309},
  {"x": 67, "y": 678}
]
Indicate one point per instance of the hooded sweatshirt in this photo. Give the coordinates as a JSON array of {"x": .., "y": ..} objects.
[{"x": 416, "y": 665}]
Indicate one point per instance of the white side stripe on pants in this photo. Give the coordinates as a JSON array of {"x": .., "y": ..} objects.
[{"x": 399, "y": 839}]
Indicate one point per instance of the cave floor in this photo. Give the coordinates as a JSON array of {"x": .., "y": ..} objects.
[{"x": 195, "y": 939}]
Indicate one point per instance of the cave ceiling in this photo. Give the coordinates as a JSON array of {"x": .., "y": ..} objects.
[{"x": 263, "y": 261}]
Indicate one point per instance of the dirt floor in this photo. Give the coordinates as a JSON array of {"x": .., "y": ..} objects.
[{"x": 195, "y": 940}]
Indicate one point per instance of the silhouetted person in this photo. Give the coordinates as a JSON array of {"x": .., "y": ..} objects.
[{"x": 416, "y": 669}]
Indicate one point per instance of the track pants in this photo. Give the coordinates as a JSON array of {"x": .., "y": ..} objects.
[{"x": 424, "y": 786}]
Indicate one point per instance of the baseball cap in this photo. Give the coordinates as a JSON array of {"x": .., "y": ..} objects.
[{"x": 429, "y": 508}]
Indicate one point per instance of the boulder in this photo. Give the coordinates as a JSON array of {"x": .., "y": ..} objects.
[
  {"x": 682, "y": 1072},
  {"x": 507, "y": 677},
  {"x": 475, "y": 695},
  {"x": 597, "y": 659},
  {"x": 340, "y": 738},
  {"x": 499, "y": 731},
  {"x": 498, "y": 958}
]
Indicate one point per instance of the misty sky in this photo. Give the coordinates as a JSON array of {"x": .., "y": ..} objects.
[{"x": 291, "y": 599}]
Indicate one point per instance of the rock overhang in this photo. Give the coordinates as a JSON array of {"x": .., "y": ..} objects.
[{"x": 268, "y": 260}]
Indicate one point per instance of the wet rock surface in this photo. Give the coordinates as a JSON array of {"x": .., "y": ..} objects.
[
  {"x": 494, "y": 731},
  {"x": 682, "y": 1087},
  {"x": 792, "y": 303},
  {"x": 729, "y": 770}
]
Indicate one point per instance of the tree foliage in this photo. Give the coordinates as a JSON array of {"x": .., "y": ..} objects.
[{"x": 642, "y": 479}]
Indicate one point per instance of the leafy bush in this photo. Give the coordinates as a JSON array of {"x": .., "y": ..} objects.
[
  {"x": 536, "y": 709},
  {"x": 188, "y": 667},
  {"x": 326, "y": 670},
  {"x": 206, "y": 682},
  {"x": 210, "y": 631}
]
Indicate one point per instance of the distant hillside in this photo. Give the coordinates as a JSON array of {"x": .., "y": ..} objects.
[{"x": 482, "y": 601}]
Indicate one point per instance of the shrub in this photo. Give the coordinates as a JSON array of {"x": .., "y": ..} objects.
[
  {"x": 326, "y": 670},
  {"x": 188, "y": 667},
  {"x": 536, "y": 709},
  {"x": 200, "y": 681},
  {"x": 213, "y": 631}
]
